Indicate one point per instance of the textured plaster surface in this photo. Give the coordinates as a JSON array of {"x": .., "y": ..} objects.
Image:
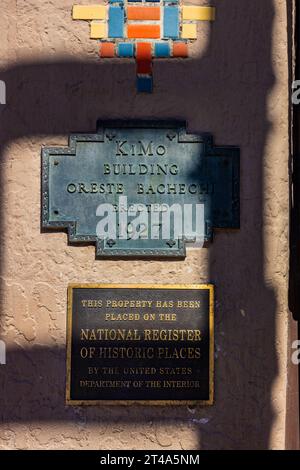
[{"x": 234, "y": 86}]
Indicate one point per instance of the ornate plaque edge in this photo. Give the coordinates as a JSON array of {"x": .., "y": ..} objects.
[{"x": 183, "y": 137}]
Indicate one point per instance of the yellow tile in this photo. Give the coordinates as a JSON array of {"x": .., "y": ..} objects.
[
  {"x": 189, "y": 31},
  {"x": 199, "y": 13},
  {"x": 98, "y": 30},
  {"x": 86, "y": 12}
]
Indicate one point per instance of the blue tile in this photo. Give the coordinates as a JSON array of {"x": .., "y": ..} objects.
[
  {"x": 144, "y": 84},
  {"x": 125, "y": 49},
  {"x": 116, "y": 1},
  {"x": 116, "y": 22},
  {"x": 162, "y": 49},
  {"x": 171, "y": 22},
  {"x": 153, "y": 1},
  {"x": 134, "y": 1}
]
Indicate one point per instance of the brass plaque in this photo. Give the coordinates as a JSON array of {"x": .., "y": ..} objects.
[{"x": 150, "y": 344}]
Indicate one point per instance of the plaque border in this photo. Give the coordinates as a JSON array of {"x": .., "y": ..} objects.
[{"x": 209, "y": 402}]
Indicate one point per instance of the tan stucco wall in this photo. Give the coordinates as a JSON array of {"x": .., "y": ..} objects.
[{"x": 236, "y": 87}]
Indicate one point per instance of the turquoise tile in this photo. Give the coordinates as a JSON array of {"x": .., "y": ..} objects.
[
  {"x": 161, "y": 49},
  {"x": 144, "y": 84},
  {"x": 125, "y": 49},
  {"x": 116, "y": 22},
  {"x": 171, "y": 22}
]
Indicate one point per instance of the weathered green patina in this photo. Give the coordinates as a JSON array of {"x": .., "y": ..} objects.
[{"x": 152, "y": 165}]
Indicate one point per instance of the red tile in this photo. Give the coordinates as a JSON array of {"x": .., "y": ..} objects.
[
  {"x": 144, "y": 67},
  {"x": 107, "y": 49},
  {"x": 143, "y": 51},
  {"x": 180, "y": 49}
]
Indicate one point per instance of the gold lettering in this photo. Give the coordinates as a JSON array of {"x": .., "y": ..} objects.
[{"x": 172, "y": 335}]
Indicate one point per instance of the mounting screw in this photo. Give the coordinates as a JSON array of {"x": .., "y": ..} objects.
[
  {"x": 171, "y": 243},
  {"x": 111, "y": 243}
]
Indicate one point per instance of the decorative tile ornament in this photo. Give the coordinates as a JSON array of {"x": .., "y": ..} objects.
[{"x": 143, "y": 29}]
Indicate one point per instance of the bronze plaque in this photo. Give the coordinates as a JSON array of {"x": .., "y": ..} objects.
[
  {"x": 140, "y": 343},
  {"x": 136, "y": 174}
]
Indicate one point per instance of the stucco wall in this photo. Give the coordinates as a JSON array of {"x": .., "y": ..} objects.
[{"x": 234, "y": 86}]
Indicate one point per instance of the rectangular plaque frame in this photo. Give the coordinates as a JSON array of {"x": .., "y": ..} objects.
[{"x": 208, "y": 287}]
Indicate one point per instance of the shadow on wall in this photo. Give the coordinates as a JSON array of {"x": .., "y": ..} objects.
[{"x": 223, "y": 92}]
